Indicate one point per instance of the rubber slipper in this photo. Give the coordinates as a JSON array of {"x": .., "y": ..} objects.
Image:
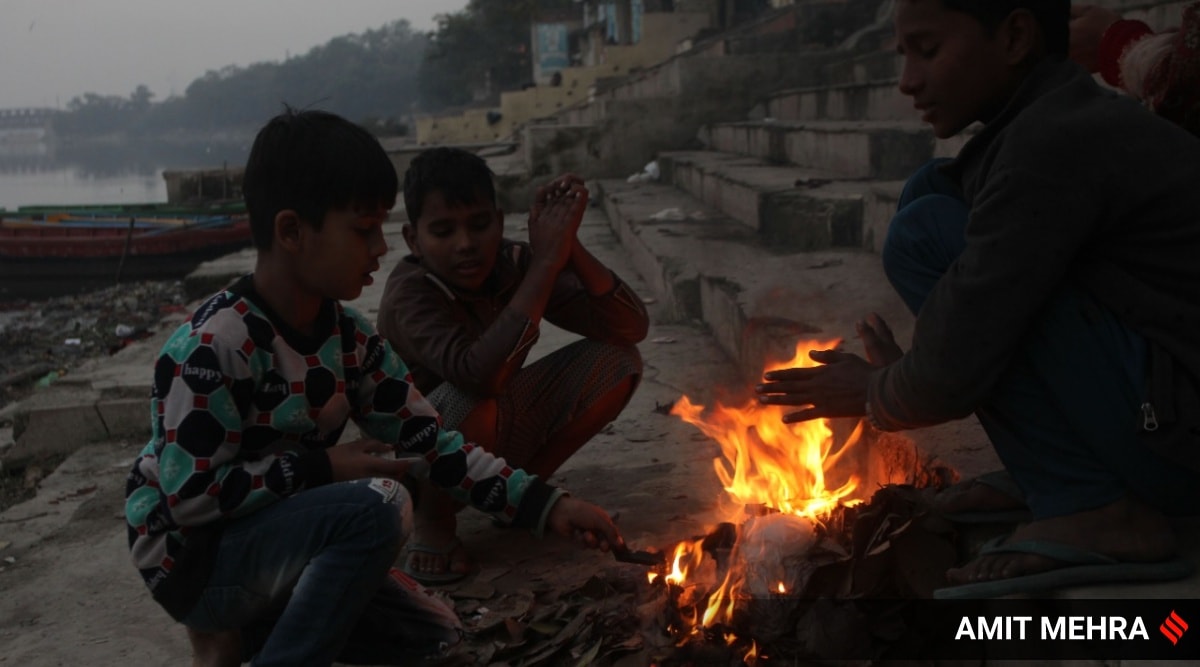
[
  {"x": 1080, "y": 567},
  {"x": 431, "y": 578},
  {"x": 1001, "y": 481}
]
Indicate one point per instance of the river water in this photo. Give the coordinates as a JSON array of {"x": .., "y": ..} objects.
[
  {"x": 102, "y": 174},
  {"x": 60, "y": 185}
]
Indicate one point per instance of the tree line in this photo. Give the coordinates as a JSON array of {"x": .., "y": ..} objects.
[{"x": 378, "y": 78}]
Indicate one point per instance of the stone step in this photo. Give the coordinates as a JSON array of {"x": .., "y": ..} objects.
[
  {"x": 882, "y": 150},
  {"x": 59, "y": 422},
  {"x": 878, "y": 100},
  {"x": 757, "y": 299},
  {"x": 789, "y": 207},
  {"x": 882, "y": 65}
]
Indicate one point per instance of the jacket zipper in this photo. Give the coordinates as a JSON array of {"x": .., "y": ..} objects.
[{"x": 1149, "y": 419}]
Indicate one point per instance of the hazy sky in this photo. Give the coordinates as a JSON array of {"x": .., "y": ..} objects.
[{"x": 53, "y": 50}]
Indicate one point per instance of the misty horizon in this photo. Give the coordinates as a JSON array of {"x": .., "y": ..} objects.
[{"x": 52, "y": 51}]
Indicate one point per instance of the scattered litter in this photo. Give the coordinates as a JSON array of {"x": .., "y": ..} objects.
[
  {"x": 662, "y": 340},
  {"x": 33, "y": 332},
  {"x": 648, "y": 173},
  {"x": 649, "y": 300},
  {"x": 10, "y": 560},
  {"x": 47, "y": 379},
  {"x": 698, "y": 215},
  {"x": 4, "y": 545},
  {"x": 73, "y": 341},
  {"x": 673, "y": 213}
]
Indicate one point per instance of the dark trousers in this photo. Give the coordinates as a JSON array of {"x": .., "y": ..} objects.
[{"x": 1064, "y": 418}]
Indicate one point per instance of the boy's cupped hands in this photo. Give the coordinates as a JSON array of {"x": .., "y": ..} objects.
[{"x": 554, "y": 220}]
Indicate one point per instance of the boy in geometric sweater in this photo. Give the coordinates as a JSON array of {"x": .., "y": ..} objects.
[
  {"x": 248, "y": 522},
  {"x": 1052, "y": 268}
]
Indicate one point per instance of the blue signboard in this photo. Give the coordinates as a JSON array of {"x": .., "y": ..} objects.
[{"x": 551, "y": 46}]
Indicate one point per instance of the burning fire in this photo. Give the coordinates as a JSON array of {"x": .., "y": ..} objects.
[
  {"x": 776, "y": 465},
  {"x": 766, "y": 464}
]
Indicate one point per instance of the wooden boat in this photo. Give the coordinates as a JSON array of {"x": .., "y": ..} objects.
[{"x": 46, "y": 254}]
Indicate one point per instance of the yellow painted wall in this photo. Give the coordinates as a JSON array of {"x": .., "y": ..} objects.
[
  {"x": 661, "y": 32},
  {"x": 469, "y": 127}
]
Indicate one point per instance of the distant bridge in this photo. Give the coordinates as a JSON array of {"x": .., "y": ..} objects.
[{"x": 25, "y": 118}]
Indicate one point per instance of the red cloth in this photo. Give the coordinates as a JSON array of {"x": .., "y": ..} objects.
[
  {"x": 1172, "y": 88},
  {"x": 1119, "y": 36}
]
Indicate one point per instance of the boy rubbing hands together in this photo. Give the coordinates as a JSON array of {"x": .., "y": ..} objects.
[{"x": 463, "y": 310}]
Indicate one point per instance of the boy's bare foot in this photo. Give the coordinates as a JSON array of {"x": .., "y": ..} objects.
[
  {"x": 434, "y": 554},
  {"x": 1125, "y": 530},
  {"x": 439, "y": 560},
  {"x": 987, "y": 493}
]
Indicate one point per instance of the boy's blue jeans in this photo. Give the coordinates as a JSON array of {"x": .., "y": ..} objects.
[
  {"x": 1064, "y": 419},
  {"x": 306, "y": 580}
]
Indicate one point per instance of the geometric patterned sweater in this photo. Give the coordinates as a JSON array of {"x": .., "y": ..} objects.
[{"x": 242, "y": 411}]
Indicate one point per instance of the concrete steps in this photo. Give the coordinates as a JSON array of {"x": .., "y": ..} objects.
[
  {"x": 883, "y": 150},
  {"x": 757, "y": 299},
  {"x": 878, "y": 100},
  {"x": 790, "y": 207}
]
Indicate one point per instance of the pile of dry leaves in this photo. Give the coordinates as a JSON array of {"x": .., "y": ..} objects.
[{"x": 848, "y": 596}]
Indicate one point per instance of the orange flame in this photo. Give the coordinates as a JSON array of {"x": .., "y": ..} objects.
[{"x": 765, "y": 462}]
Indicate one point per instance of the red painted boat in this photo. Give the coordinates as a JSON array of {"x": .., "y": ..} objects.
[{"x": 43, "y": 258}]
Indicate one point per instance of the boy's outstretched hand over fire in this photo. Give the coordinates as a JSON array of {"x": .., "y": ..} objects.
[{"x": 838, "y": 386}]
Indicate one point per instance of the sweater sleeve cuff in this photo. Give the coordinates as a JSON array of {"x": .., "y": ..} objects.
[
  {"x": 1117, "y": 38},
  {"x": 313, "y": 469},
  {"x": 875, "y": 414},
  {"x": 535, "y": 506}
]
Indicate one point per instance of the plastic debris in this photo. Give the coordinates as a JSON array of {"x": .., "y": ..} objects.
[
  {"x": 673, "y": 213},
  {"x": 648, "y": 174},
  {"x": 47, "y": 379}
]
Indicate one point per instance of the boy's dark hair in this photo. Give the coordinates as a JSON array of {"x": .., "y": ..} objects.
[
  {"x": 461, "y": 176},
  {"x": 312, "y": 161},
  {"x": 1052, "y": 15}
]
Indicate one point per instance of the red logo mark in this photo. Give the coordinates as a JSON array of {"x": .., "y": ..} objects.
[{"x": 1174, "y": 627}]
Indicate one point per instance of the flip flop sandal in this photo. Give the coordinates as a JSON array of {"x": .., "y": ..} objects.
[
  {"x": 1080, "y": 567},
  {"x": 431, "y": 578}
]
